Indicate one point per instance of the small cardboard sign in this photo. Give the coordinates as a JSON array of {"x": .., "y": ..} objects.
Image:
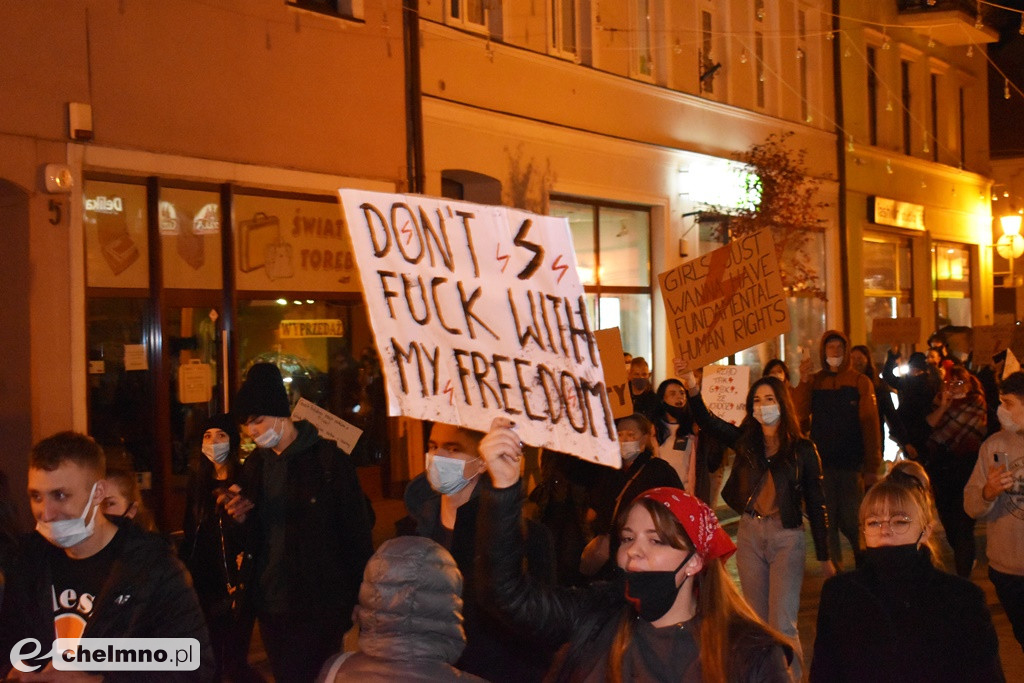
[
  {"x": 896, "y": 330},
  {"x": 328, "y": 424},
  {"x": 609, "y": 346},
  {"x": 195, "y": 382},
  {"x": 725, "y": 301},
  {"x": 135, "y": 357},
  {"x": 724, "y": 390}
]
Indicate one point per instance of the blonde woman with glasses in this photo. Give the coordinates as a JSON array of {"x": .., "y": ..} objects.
[{"x": 896, "y": 617}]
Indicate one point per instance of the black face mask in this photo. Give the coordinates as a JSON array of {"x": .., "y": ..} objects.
[
  {"x": 639, "y": 385},
  {"x": 652, "y": 594},
  {"x": 893, "y": 560},
  {"x": 680, "y": 414}
]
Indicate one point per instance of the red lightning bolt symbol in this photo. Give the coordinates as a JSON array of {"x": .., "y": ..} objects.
[
  {"x": 729, "y": 287},
  {"x": 563, "y": 267},
  {"x": 572, "y": 399},
  {"x": 501, "y": 257},
  {"x": 407, "y": 231},
  {"x": 450, "y": 391}
]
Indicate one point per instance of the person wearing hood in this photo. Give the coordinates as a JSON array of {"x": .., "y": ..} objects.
[
  {"x": 896, "y": 617},
  {"x": 995, "y": 494},
  {"x": 614, "y": 489},
  {"x": 309, "y": 527},
  {"x": 443, "y": 502},
  {"x": 409, "y": 617},
  {"x": 837, "y": 408}
]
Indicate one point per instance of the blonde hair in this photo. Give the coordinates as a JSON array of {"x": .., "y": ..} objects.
[{"x": 905, "y": 492}]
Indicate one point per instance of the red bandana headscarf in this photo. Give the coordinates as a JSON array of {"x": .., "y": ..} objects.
[{"x": 701, "y": 525}]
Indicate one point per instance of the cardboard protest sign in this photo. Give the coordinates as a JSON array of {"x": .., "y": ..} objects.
[
  {"x": 896, "y": 330},
  {"x": 328, "y": 424},
  {"x": 478, "y": 312},
  {"x": 725, "y": 301},
  {"x": 724, "y": 390},
  {"x": 609, "y": 345}
]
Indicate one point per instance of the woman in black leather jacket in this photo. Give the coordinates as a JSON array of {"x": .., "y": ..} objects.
[
  {"x": 776, "y": 472},
  {"x": 671, "y": 613}
]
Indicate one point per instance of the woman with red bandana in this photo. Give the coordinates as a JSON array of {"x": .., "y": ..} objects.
[{"x": 670, "y": 613}]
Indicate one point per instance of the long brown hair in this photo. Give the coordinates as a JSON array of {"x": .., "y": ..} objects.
[
  {"x": 722, "y": 613},
  {"x": 751, "y": 441}
]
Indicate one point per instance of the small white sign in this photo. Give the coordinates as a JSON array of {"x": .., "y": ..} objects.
[
  {"x": 135, "y": 357},
  {"x": 328, "y": 424},
  {"x": 724, "y": 389}
]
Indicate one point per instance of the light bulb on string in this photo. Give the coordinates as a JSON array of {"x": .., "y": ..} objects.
[
  {"x": 978, "y": 23},
  {"x": 1006, "y": 89},
  {"x": 888, "y": 166},
  {"x": 931, "y": 41},
  {"x": 1021, "y": 29},
  {"x": 886, "y": 45},
  {"x": 888, "y": 105},
  {"x": 846, "y": 52},
  {"x": 970, "y": 50},
  {"x": 849, "y": 143},
  {"x": 743, "y": 57},
  {"x": 832, "y": 36}
]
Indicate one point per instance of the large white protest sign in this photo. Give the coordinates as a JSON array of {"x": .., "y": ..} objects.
[
  {"x": 724, "y": 389},
  {"x": 477, "y": 312}
]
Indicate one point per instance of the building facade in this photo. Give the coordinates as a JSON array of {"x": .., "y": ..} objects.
[{"x": 169, "y": 176}]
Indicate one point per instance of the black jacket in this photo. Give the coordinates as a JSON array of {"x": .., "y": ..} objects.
[
  {"x": 327, "y": 531},
  {"x": 586, "y": 618},
  {"x": 917, "y": 625},
  {"x": 160, "y": 602},
  {"x": 797, "y": 478}
]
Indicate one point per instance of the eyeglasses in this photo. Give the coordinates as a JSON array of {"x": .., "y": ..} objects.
[{"x": 898, "y": 524}]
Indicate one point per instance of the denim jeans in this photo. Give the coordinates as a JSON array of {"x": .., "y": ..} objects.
[
  {"x": 844, "y": 489},
  {"x": 770, "y": 560}
]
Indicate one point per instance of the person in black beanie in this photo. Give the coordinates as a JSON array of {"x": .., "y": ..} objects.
[
  {"x": 309, "y": 527},
  {"x": 214, "y": 551}
]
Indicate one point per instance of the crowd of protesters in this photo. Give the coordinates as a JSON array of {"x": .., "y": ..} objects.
[{"x": 605, "y": 574}]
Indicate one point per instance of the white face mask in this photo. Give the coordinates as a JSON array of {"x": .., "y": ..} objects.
[
  {"x": 65, "y": 533},
  {"x": 630, "y": 449},
  {"x": 767, "y": 414},
  {"x": 834, "y": 361},
  {"x": 1006, "y": 419},
  {"x": 217, "y": 452},
  {"x": 269, "y": 438},
  {"x": 447, "y": 475}
]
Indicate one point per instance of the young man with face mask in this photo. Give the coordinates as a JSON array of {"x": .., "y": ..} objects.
[
  {"x": 837, "y": 407},
  {"x": 81, "y": 575},
  {"x": 309, "y": 524},
  {"x": 443, "y": 502},
  {"x": 995, "y": 494}
]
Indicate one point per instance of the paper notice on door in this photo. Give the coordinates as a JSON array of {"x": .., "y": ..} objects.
[{"x": 135, "y": 357}]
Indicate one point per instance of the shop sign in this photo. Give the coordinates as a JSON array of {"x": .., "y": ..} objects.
[
  {"x": 724, "y": 388},
  {"x": 897, "y": 214},
  {"x": 609, "y": 345},
  {"x": 896, "y": 330},
  {"x": 293, "y": 245},
  {"x": 478, "y": 312},
  {"x": 304, "y": 329},
  {"x": 725, "y": 301}
]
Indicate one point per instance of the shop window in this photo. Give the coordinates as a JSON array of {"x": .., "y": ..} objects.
[
  {"x": 612, "y": 244},
  {"x": 888, "y": 288},
  {"x": 190, "y": 238},
  {"x": 324, "y": 350},
  {"x": 951, "y": 278},
  {"x": 292, "y": 244},
  {"x": 116, "y": 235}
]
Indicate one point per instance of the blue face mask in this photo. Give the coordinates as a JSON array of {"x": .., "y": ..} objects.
[
  {"x": 767, "y": 414},
  {"x": 65, "y": 533},
  {"x": 269, "y": 438},
  {"x": 447, "y": 475}
]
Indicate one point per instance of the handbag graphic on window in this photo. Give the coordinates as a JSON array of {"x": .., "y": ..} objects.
[{"x": 262, "y": 247}]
